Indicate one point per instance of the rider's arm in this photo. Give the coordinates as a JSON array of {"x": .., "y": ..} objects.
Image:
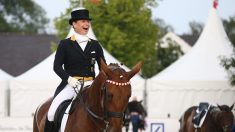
[
  {"x": 59, "y": 61},
  {"x": 100, "y": 54}
]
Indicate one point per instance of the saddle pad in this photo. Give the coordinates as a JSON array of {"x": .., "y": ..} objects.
[{"x": 202, "y": 117}]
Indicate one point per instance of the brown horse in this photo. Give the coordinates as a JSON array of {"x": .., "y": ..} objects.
[
  {"x": 218, "y": 119},
  {"x": 101, "y": 106}
]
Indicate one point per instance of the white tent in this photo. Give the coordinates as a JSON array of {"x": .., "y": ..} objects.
[
  {"x": 4, "y": 80},
  {"x": 37, "y": 84},
  {"x": 170, "y": 36},
  {"x": 196, "y": 77}
]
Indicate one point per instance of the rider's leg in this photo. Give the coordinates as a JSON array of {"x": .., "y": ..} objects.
[
  {"x": 67, "y": 93},
  {"x": 48, "y": 126}
]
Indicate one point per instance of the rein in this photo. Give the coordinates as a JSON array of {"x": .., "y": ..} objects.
[
  {"x": 79, "y": 95},
  {"x": 106, "y": 114}
]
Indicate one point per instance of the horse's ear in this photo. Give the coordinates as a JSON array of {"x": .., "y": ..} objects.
[
  {"x": 231, "y": 107},
  {"x": 104, "y": 67},
  {"x": 135, "y": 69},
  {"x": 102, "y": 75}
]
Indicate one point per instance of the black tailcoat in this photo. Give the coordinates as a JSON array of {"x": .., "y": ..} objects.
[{"x": 71, "y": 60}]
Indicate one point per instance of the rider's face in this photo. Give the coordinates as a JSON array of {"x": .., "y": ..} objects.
[{"x": 81, "y": 26}]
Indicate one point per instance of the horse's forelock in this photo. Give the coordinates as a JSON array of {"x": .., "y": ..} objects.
[
  {"x": 224, "y": 108},
  {"x": 114, "y": 66}
]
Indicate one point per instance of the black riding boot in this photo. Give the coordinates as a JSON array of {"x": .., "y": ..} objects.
[{"x": 49, "y": 126}]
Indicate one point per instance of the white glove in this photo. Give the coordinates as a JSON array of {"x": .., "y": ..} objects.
[{"x": 73, "y": 82}]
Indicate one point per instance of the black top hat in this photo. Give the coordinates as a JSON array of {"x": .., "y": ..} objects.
[{"x": 82, "y": 14}]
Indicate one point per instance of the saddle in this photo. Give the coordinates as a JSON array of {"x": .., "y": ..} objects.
[
  {"x": 61, "y": 110},
  {"x": 60, "y": 113},
  {"x": 201, "y": 113}
]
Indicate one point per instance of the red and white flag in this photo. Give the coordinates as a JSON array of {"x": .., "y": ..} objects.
[
  {"x": 95, "y": 1},
  {"x": 215, "y": 4}
]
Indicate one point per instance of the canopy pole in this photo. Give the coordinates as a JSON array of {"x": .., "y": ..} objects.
[{"x": 81, "y": 3}]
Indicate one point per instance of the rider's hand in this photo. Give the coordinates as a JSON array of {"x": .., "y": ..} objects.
[{"x": 73, "y": 82}]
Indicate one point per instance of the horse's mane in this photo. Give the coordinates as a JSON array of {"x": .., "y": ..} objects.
[{"x": 94, "y": 89}]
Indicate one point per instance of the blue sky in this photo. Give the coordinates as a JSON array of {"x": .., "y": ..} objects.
[{"x": 177, "y": 13}]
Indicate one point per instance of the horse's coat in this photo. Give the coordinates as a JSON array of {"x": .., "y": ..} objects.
[
  {"x": 101, "y": 106},
  {"x": 218, "y": 119}
]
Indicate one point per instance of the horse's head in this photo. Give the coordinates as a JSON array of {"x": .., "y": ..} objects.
[
  {"x": 117, "y": 91},
  {"x": 225, "y": 117}
]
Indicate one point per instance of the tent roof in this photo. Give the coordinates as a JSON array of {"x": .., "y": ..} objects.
[
  {"x": 21, "y": 51},
  {"x": 202, "y": 62}
]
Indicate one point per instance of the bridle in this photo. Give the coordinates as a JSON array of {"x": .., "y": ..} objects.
[
  {"x": 225, "y": 127},
  {"x": 110, "y": 114},
  {"x": 107, "y": 114}
]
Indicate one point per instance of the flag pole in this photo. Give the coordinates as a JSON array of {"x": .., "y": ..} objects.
[{"x": 81, "y": 3}]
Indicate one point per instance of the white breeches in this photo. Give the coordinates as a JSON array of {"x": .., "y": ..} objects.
[{"x": 67, "y": 93}]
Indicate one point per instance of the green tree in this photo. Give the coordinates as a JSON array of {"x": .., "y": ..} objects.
[
  {"x": 167, "y": 55},
  {"x": 163, "y": 56},
  {"x": 229, "y": 63},
  {"x": 229, "y": 26},
  {"x": 195, "y": 28},
  {"x": 123, "y": 27},
  {"x": 163, "y": 27},
  {"x": 22, "y": 16}
]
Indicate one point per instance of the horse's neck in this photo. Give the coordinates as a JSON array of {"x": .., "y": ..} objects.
[
  {"x": 214, "y": 119},
  {"x": 94, "y": 94}
]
